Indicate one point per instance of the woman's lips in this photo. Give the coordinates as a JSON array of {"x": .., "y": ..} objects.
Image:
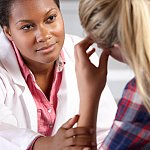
[{"x": 47, "y": 49}]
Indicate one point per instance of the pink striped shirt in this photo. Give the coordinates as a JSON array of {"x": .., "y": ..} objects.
[{"x": 46, "y": 108}]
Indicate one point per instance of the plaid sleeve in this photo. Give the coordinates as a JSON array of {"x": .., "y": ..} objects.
[{"x": 131, "y": 127}]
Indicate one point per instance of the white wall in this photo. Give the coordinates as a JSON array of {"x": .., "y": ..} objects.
[{"x": 119, "y": 73}]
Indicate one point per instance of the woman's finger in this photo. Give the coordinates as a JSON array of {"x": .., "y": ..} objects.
[
  {"x": 70, "y": 123},
  {"x": 80, "y": 141},
  {"x": 79, "y": 131},
  {"x": 77, "y": 148}
]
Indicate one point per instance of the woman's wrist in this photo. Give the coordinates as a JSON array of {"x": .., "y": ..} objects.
[{"x": 42, "y": 143}]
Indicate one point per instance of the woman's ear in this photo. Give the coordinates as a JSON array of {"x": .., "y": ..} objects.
[{"x": 7, "y": 32}]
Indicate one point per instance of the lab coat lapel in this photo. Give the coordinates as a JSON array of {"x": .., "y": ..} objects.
[{"x": 9, "y": 62}]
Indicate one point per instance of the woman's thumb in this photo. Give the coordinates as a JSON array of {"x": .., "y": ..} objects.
[{"x": 70, "y": 123}]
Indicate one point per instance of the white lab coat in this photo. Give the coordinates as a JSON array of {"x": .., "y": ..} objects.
[{"x": 18, "y": 114}]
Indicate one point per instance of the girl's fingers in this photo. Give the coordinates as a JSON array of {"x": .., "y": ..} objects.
[
  {"x": 91, "y": 52},
  {"x": 103, "y": 62},
  {"x": 81, "y": 48},
  {"x": 86, "y": 43}
]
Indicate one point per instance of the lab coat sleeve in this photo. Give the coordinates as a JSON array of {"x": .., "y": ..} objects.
[{"x": 11, "y": 136}]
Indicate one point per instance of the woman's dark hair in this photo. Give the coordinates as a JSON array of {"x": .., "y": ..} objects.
[
  {"x": 5, "y": 12},
  {"x": 57, "y": 3},
  {"x": 5, "y": 6}
]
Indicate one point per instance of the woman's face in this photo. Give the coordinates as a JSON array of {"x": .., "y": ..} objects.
[{"x": 37, "y": 29}]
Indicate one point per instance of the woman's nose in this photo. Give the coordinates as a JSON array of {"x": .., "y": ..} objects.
[{"x": 43, "y": 34}]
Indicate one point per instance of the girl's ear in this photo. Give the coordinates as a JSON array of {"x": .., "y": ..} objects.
[{"x": 7, "y": 32}]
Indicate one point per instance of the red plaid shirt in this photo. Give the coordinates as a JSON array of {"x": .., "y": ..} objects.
[{"x": 131, "y": 128}]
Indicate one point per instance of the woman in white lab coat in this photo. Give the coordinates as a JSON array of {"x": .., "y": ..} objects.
[{"x": 33, "y": 38}]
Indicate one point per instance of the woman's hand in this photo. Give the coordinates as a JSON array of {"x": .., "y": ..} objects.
[
  {"x": 67, "y": 138},
  {"x": 91, "y": 79}
]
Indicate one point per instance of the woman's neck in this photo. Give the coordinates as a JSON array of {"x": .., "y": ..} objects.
[
  {"x": 44, "y": 80},
  {"x": 44, "y": 75}
]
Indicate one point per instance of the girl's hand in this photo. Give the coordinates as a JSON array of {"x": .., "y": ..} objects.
[
  {"x": 67, "y": 138},
  {"x": 91, "y": 79}
]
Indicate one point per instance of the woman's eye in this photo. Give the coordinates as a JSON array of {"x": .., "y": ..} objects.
[
  {"x": 27, "y": 27},
  {"x": 51, "y": 18}
]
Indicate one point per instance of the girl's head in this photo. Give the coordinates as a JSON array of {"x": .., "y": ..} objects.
[
  {"x": 100, "y": 19},
  {"x": 35, "y": 27},
  {"x": 125, "y": 23}
]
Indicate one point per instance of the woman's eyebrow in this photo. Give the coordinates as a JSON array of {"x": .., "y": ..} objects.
[
  {"x": 49, "y": 11},
  {"x": 27, "y": 21}
]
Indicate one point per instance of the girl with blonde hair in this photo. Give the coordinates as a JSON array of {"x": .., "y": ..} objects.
[{"x": 121, "y": 29}]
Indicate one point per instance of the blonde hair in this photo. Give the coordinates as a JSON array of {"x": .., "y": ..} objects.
[{"x": 126, "y": 22}]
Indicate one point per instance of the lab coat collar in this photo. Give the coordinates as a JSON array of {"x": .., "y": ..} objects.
[{"x": 9, "y": 61}]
